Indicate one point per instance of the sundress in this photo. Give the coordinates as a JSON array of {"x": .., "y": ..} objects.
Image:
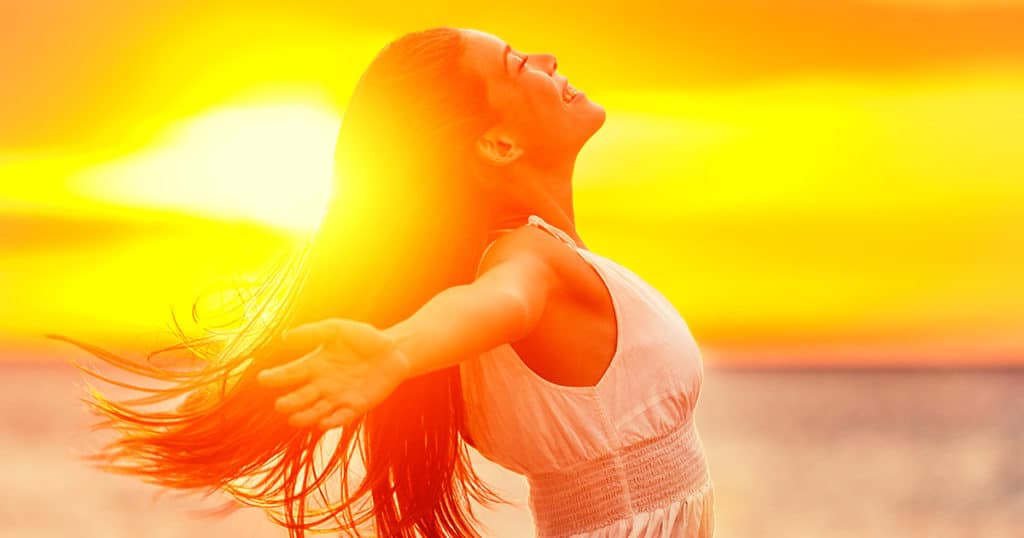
[{"x": 619, "y": 459}]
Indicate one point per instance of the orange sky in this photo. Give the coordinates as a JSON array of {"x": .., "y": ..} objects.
[{"x": 809, "y": 182}]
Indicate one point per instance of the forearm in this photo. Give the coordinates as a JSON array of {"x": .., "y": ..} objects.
[{"x": 458, "y": 323}]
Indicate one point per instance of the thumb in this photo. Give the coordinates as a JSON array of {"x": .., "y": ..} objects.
[
  {"x": 305, "y": 337},
  {"x": 332, "y": 333},
  {"x": 362, "y": 337}
]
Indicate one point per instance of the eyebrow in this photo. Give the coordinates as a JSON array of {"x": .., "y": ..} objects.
[{"x": 504, "y": 56}]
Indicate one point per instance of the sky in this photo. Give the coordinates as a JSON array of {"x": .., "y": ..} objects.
[{"x": 810, "y": 183}]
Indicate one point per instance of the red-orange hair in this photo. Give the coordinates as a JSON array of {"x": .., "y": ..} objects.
[{"x": 406, "y": 221}]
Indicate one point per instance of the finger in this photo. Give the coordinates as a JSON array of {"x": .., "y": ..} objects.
[
  {"x": 292, "y": 373},
  {"x": 340, "y": 417},
  {"x": 309, "y": 335},
  {"x": 297, "y": 400},
  {"x": 362, "y": 337},
  {"x": 312, "y": 415}
]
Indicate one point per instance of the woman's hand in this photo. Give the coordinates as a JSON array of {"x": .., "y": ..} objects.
[{"x": 350, "y": 367}]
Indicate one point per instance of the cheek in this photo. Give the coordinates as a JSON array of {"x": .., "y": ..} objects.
[
  {"x": 552, "y": 98},
  {"x": 542, "y": 97},
  {"x": 549, "y": 110},
  {"x": 539, "y": 114},
  {"x": 534, "y": 112}
]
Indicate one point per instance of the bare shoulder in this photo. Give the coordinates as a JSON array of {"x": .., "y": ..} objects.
[{"x": 533, "y": 247}]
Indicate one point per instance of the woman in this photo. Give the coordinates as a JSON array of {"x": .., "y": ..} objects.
[{"x": 445, "y": 299}]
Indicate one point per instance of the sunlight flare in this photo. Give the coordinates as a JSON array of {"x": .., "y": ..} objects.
[{"x": 270, "y": 163}]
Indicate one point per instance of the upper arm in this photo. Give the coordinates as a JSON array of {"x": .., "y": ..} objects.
[
  {"x": 518, "y": 273},
  {"x": 503, "y": 304}
]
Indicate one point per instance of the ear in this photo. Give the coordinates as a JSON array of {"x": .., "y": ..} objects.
[{"x": 497, "y": 148}]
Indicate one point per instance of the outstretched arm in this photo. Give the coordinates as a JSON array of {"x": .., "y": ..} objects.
[
  {"x": 503, "y": 305},
  {"x": 355, "y": 365}
]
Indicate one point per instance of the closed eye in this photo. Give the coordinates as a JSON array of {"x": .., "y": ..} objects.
[{"x": 523, "y": 64}]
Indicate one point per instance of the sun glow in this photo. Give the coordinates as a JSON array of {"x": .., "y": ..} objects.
[
  {"x": 800, "y": 200},
  {"x": 270, "y": 163}
]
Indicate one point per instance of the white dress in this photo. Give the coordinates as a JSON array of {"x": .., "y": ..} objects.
[{"x": 622, "y": 458}]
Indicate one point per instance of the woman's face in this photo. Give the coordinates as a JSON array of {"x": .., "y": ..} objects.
[{"x": 540, "y": 113}]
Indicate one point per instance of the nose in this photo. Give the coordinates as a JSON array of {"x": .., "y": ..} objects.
[{"x": 547, "y": 62}]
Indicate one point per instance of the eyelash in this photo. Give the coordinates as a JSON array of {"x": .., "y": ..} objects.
[{"x": 523, "y": 64}]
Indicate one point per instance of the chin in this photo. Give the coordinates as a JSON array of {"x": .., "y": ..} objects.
[
  {"x": 572, "y": 136},
  {"x": 601, "y": 116},
  {"x": 592, "y": 122}
]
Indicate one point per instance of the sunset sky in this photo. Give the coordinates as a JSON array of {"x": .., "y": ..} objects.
[{"x": 810, "y": 183}]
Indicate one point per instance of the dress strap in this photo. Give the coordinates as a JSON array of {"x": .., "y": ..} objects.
[
  {"x": 541, "y": 223},
  {"x": 533, "y": 220}
]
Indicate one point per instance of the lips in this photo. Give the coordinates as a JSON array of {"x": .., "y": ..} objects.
[{"x": 569, "y": 93}]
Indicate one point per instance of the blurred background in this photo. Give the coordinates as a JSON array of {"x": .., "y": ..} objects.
[{"x": 831, "y": 193}]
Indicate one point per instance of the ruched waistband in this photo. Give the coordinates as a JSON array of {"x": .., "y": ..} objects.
[{"x": 638, "y": 478}]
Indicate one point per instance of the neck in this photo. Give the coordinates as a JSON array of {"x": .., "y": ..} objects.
[{"x": 542, "y": 190}]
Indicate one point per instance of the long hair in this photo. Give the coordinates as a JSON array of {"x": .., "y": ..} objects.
[{"x": 404, "y": 222}]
